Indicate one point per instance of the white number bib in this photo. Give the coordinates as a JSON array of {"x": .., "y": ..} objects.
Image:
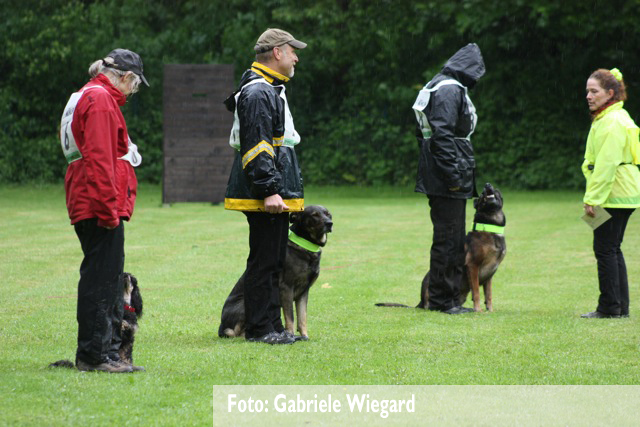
[
  {"x": 423, "y": 99},
  {"x": 291, "y": 137},
  {"x": 68, "y": 142}
]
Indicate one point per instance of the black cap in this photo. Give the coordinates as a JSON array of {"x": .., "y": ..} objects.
[{"x": 125, "y": 60}]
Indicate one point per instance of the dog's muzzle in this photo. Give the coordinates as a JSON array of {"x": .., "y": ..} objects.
[{"x": 328, "y": 226}]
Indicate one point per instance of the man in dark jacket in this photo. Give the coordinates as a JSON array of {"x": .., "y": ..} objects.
[
  {"x": 446, "y": 170},
  {"x": 265, "y": 181}
]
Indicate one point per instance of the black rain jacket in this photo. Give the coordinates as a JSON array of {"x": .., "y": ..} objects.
[
  {"x": 446, "y": 166},
  {"x": 263, "y": 166}
]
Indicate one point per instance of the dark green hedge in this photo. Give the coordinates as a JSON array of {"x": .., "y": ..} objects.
[{"x": 354, "y": 86}]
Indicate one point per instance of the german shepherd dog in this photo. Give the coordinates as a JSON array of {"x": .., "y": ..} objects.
[
  {"x": 132, "y": 312},
  {"x": 485, "y": 248},
  {"x": 308, "y": 234}
]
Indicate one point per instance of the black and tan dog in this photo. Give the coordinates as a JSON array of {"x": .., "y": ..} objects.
[
  {"x": 485, "y": 248},
  {"x": 308, "y": 234},
  {"x": 132, "y": 312}
]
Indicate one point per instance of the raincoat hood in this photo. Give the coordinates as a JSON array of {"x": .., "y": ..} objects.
[{"x": 466, "y": 65}]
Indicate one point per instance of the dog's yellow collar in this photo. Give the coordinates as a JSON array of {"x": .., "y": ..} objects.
[
  {"x": 495, "y": 229},
  {"x": 304, "y": 243}
]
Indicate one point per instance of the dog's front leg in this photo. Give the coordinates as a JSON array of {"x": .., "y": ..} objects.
[
  {"x": 286, "y": 299},
  {"x": 301, "y": 312},
  {"x": 487, "y": 296},
  {"x": 473, "y": 277}
]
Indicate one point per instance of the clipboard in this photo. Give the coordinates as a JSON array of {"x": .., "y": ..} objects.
[{"x": 601, "y": 217}]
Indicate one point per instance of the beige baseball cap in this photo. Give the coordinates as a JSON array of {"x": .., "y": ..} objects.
[{"x": 274, "y": 37}]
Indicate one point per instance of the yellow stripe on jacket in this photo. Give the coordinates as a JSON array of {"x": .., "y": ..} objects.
[{"x": 252, "y": 205}]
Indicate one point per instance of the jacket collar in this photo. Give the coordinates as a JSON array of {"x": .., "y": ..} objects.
[
  {"x": 613, "y": 107},
  {"x": 102, "y": 80},
  {"x": 269, "y": 75}
]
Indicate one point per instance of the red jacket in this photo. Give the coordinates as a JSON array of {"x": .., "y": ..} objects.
[{"x": 100, "y": 184}]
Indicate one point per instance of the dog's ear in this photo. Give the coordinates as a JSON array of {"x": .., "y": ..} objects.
[
  {"x": 475, "y": 203},
  {"x": 293, "y": 217},
  {"x": 136, "y": 300}
]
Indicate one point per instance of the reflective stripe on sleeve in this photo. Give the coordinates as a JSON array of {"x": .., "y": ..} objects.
[{"x": 253, "y": 153}]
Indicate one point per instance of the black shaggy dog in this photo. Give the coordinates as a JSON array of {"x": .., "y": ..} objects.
[
  {"x": 301, "y": 269},
  {"x": 132, "y": 312}
]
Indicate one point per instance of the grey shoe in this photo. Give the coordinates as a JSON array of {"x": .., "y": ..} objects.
[
  {"x": 273, "y": 338},
  {"x": 458, "y": 310},
  {"x": 107, "y": 366},
  {"x": 599, "y": 315}
]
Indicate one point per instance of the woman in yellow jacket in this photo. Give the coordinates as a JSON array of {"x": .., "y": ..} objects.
[{"x": 613, "y": 182}]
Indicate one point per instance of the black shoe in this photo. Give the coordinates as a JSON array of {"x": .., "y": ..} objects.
[
  {"x": 458, "y": 310},
  {"x": 107, "y": 366},
  {"x": 599, "y": 315},
  {"x": 273, "y": 338},
  {"x": 133, "y": 367}
]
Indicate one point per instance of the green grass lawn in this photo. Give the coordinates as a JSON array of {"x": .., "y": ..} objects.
[{"x": 187, "y": 257}]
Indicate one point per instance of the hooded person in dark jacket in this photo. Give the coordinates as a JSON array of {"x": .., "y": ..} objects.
[
  {"x": 446, "y": 169},
  {"x": 265, "y": 181}
]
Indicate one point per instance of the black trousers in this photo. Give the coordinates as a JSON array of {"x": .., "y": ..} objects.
[
  {"x": 100, "y": 291},
  {"x": 446, "y": 273},
  {"x": 268, "y": 235},
  {"x": 612, "y": 270}
]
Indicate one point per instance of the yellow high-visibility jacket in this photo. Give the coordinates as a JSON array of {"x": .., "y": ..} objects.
[{"x": 611, "y": 159}]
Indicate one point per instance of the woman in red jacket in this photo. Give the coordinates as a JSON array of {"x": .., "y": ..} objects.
[{"x": 100, "y": 187}]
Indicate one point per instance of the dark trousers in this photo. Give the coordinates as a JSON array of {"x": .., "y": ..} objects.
[
  {"x": 447, "y": 252},
  {"x": 268, "y": 235},
  {"x": 100, "y": 292},
  {"x": 612, "y": 270}
]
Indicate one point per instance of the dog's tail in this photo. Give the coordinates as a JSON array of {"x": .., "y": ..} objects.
[
  {"x": 62, "y": 364},
  {"x": 391, "y": 304},
  {"x": 228, "y": 333},
  {"x": 238, "y": 331}
]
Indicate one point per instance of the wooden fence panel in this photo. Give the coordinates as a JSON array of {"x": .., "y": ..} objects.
[{"x": 196, "y": 126}]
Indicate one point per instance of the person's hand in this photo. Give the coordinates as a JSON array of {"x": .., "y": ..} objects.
[
  {"x": 588, "y": 209},
  {"x": 274, "y": 204},
  {"x": 104, "y": 224}
]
